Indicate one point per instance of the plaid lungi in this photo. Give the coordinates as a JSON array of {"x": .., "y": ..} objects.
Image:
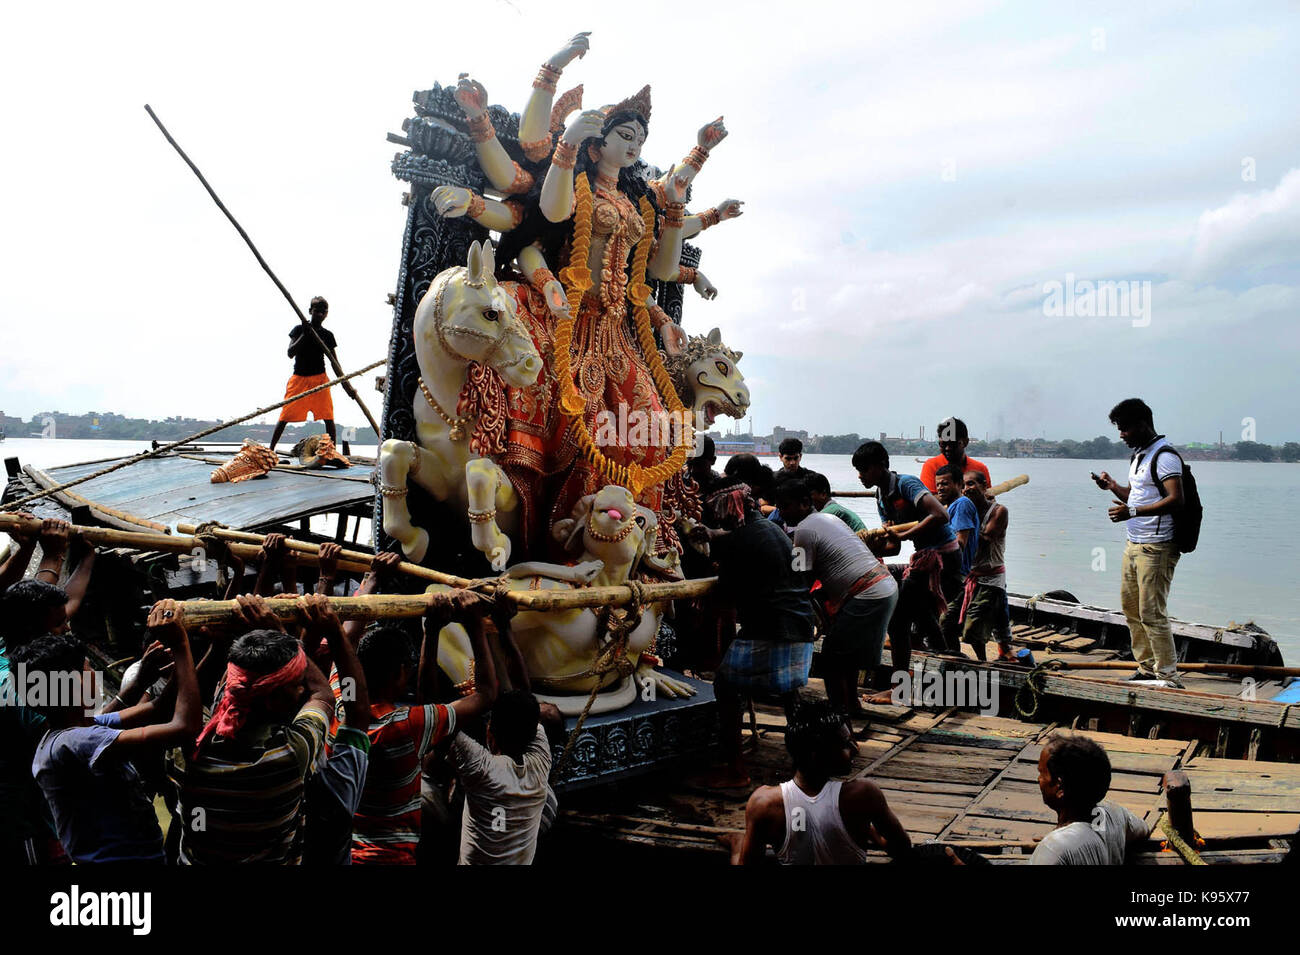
[{"x": 766, "y": 666}]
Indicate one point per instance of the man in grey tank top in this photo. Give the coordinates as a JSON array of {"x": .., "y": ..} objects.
[
  {"x": 815, "y": 819},
  {"x": 857, "y": 592}
]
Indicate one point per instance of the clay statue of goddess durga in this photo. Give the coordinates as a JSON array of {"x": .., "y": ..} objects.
[{"x": 583, "y": 229}]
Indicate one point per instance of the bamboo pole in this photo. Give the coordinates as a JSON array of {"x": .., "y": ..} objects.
[
  {"x": 329, "y": 352},
  {"x": 874, "y": 533},
  {"x": 163, "y": 449},
  {"x": 1009, "y": 484},
  {"x": 616, "y": 595},
  {"x": 368, "y": 607},
  {"x": 112, "y": 537},
  {"x": 353, "y": 557},
  {"x": 540, "y": 600},
  {"x": 398, "y": 606},
  {"x": 1000, "y": 488}
]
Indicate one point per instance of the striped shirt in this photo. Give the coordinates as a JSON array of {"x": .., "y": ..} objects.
[
  {"x": 242, "y": 799},
  {"x": 387, "y": 824}
]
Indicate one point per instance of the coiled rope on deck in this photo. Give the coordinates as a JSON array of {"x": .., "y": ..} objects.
[{"x": 1032, "y": 689}]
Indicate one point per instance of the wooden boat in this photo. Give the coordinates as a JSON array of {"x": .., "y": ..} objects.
[
  {"x": 951, "y": 774},
  {"x": 963, "y": 779},
  {"x": 154, "y": 495}
]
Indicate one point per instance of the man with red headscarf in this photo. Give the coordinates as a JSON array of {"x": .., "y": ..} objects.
[{"x": 243, "y": 784}]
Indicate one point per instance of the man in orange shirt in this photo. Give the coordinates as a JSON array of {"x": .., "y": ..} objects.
[{"x": 953, "y": 438}]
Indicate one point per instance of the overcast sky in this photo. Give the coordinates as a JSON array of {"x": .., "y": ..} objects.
[{"x": 915, "y": 177}]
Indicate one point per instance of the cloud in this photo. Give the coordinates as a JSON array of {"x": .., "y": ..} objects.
[
  {"x": 867, "y": 292},
  {"x": 1250, "y": 232}
]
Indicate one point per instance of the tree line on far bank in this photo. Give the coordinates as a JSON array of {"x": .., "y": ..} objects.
[
  {"x": 111, "y": 427},
  {"x": 1099, "y": 448}
]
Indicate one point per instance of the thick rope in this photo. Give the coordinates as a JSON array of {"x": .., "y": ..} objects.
[
  {"x": 205, "y": 535},
  {"x": 157, "y": 452},
  {"x": 611, "y": 659},
  {"x": 1034, "y": 685},
  {"x": 1179, "y": 845}
]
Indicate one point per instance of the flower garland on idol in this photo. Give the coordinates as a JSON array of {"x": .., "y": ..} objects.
[{"x": 576, "y": 278}]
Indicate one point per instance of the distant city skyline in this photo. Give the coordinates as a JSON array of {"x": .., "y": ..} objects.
[{"x": 32, "y": 427}]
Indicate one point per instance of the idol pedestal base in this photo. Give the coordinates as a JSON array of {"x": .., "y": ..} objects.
[{"x": 647, "y": 736}]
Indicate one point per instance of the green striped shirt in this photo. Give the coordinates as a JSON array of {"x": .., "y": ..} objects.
[
  {"x": 844, "y": 514},
  {"x": 242, "y": 799}
]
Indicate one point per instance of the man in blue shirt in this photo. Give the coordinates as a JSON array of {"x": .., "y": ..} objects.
[
  {"x": 964, "y": 519},
  {"x": 933, "y": 575},
  {"x": 83, "y": 763}
]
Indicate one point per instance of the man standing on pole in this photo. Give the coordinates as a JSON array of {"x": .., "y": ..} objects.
[{"x": 308, "y": 372}]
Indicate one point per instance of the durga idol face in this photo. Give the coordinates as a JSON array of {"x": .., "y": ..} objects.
[{"x": 622, "y": 144}]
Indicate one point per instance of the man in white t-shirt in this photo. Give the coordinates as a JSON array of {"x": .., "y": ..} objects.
[
  {"x": 505, "y": 784},
  {"x": 1150, "y": 505},
  {"x": 1073, "y": 776}
]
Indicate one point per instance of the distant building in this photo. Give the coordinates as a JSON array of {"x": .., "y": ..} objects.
[
  {"x": 725, "y": 447},
  {"x": 779, "y": 434}
]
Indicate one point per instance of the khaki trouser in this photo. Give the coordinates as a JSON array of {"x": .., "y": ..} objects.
[{"x": 1144, "y": 593}]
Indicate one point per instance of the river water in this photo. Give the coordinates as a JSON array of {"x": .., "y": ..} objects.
[{"x": 1059, "y": 535}]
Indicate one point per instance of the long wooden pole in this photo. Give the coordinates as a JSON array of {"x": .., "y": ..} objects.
[
  {"x": 529, "y": 600},
  {"x": 390, "y": 606},
  {"x": 329, "y": 352},
  {"x": 1000, "y": 488},
  {"x": 313, "y": 549},
  {"x": 871, "y": 533},
  {"x": 543, "y": 600},
  {"x": 163, "y": 449},
  {"x": 1009, "y": 484}
]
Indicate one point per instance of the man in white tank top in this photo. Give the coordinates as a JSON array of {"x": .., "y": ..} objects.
[{"x": 814, "y": 819}]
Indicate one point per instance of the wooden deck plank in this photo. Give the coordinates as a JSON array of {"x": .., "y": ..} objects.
[
  {"x": 1028, "y": 806},
  {"x": 1246, "y": 825},
  {"x": 172, "y": 488},
  {"x": 926, "y": 786},
  {"x": 969, "y": 756},
  {"x": 1243, "y": 784},
  {"x": 1212, "y": 801},
  {"x": 1115, "y": 742},
  {"x": 905, "y": 797},
  {"x": 1139, "y": 763},
  {"x": 965, "y": 742},
  {"x": 893, "y": 769},
  {"x": 1181, "y": 628},
  {"x": 922, "y": 820},
  {"x": 1003, "y": 830},
  {"x": 1133, "y": 782},
  {"x": 1244, "y": 767}
]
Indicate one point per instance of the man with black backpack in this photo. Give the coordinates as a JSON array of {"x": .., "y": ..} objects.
[{"x": 1162, "y": 512}]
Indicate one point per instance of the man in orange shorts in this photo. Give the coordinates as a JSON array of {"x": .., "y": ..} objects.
[{"x": 308, "y": 372}]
